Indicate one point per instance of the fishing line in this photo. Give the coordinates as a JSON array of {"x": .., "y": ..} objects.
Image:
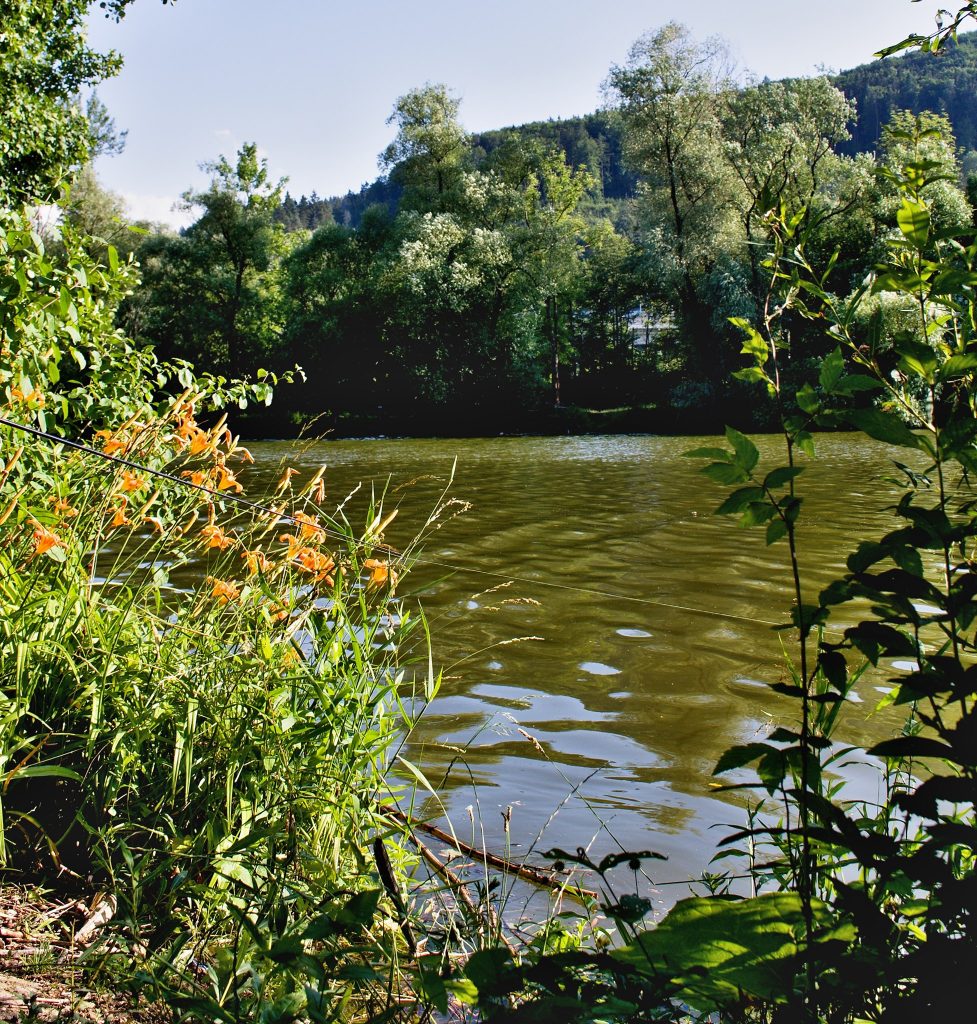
[{"x": 259, "y": 507}]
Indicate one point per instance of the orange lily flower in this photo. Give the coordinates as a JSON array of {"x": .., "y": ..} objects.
[
  {"x": 119, "y": 517},
  {"x": 257, "y": 561},
  {"x": 44, "y": 539},
  {"x": 285, "y": 480},
  {"x": 132, "y": 482},
  {"x": 318, "y": 564},
  {"x": 224, "y": 590},
  {"x": 308, "y": 527},
  {"x": 276, "y": 612},
  {"x": 226, "y": 481},
  {"x": 215, "y": 537},
  {"x": 112, "y": 443},
  {"x": 155, "y": 522},
  {"x": 62, "y": 507},
  {"x": 196, "y": 477},
  {"x": 380, "y": 573},
  {"x": 294, "y": 543},
  {"x": 32, "y": 397}
]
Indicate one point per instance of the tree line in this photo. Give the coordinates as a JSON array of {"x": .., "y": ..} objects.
[{"x": 507, "y": 280}]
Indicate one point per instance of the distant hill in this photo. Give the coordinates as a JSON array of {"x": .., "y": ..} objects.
[
  {"x": 593, "y": 140},
  {"x": 945, "y": 84}
]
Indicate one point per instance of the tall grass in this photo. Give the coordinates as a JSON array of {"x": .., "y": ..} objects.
[{"x": 209, "y": 755}]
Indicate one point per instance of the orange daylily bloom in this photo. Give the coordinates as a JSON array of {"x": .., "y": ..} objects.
[
  {"x": 155, "y": 522},
  {"x": 186, "y": 428},
  {"x": 215, "y": 537},
  {"x": 44, "y": 539},
  {"x": 308, "y": 527},
  {"x": 226, "y": 481},
  {"x": 318, "y": 564},
  {"x": 224, "y": 590},
  {"x": 131, "y": 481},
  {"x": 31, "y": 397},
  {"x": 119, "y": 517},
  {"x": 294, "y": 543},
  {"x": 112, "y": 443},
  {"x": 62, "y": 507},
  {"x": 257, "y": 561},
  {"x": 285, "y": 480},
  {"x": 380, "y": 573},
  {"x": 276, "y": 612},
  {"x": 197, "y": 477},
  {"x": 243, "y": 454},
  {"x": 199, "y": 442}
]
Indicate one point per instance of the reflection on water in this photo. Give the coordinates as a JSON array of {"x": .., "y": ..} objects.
[{"x": 604, "y": 636}]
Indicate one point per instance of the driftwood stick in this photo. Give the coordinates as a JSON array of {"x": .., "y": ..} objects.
[
  {"x": 457, "y": 886},
  {"x": 538, "y": 876}
]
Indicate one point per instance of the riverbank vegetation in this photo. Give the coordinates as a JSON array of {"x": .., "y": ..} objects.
[{"x": 202, "y": 693}]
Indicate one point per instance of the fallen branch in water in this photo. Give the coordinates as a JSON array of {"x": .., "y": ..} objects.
[
  {"x": 538, "y": 876},
  {"x": 456, "y": 884}
]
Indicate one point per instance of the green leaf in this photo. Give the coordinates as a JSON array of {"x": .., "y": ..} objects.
[
  {"x": 772, "y": 769},
  {"x": 855, "y": 382},
  {"x": 737, "y": 757},
  {"x": 463, "y": 990},
  {"x": 808, "y": 400},
  {"x": 883, "y": 426},
  {"x": 41, "y": 771},
  {"x": 718, "y": 949},
  {"x": 747, "y": 455},
  {"x": 751, "y": 375},
  {"x": 776, "y": 530},
  {"x": 726, "y": 473},
  {"x": 739, "y": 500},
  {"x": 916, "y": 357},
  {"x": 957, "y": 365},
  {"x": 776, "y": 478},
  {"x": 912, "y": 746},
  {"x": 832, "y": 369},
  {"x": 758, "y": 513},
  {"x": 805, "y": 442},
  {"x": 913, "y": 219}
]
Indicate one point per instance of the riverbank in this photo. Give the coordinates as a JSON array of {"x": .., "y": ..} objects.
[
  {"x": 474, "y": 421},
  {"x": 43, "y": 974}
]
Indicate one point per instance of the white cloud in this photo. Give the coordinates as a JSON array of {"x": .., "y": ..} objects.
[{"x": 158, "y": 209}]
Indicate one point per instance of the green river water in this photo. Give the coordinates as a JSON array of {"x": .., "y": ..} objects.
[{"x": 651, "y": 621}]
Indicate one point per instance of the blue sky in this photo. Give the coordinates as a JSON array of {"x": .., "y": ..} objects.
[{"x": 313, "y": 81}]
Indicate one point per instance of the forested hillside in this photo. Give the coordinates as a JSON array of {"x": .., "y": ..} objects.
[{"x": 945, "y": 84}]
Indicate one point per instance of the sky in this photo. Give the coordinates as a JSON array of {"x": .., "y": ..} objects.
[{"x": 312, "y": 82}]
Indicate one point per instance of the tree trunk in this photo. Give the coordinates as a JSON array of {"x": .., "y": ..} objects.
[{"x": 554, "y": 332}]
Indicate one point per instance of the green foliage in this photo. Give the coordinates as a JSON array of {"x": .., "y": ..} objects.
[
  {"x": 213, "y": 293},
  {"x": 44, "y": 63},
  {"x": 430, "y": 150},
  {"x": 211, "y": 753}
]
